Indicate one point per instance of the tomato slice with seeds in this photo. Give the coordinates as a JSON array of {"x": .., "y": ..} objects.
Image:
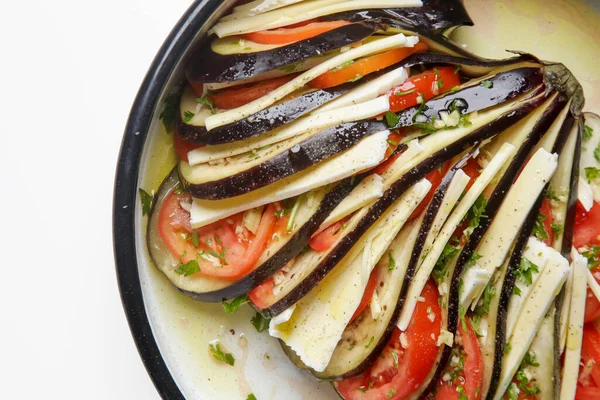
[
  {"x": 223, "y": 249},
  {"x": 293, "y": 33},
  {"x": 587, "y": 226},
  {"x": 469, "y": 379},
  {"x": 399, "y": 372},
  {"x": 325, "y": 239},
  {"x": 427, "y": 84},
  {"x": 238, "y": 96},
  {"x": 365, "y": 66},
  {"x": 367, "y": 295}
]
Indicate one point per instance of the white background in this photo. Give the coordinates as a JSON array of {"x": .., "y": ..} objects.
[{"x": 69, "y": 71}]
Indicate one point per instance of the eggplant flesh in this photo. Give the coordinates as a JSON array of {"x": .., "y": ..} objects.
[
  {"x": 208, "y": 66},
  {"x": 317, "y": 148}
]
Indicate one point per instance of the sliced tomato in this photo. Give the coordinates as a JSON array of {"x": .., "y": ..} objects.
[
  {"x": 587, "y": 226},
  {"x": 388, "y": 379},
  {"x": 262, "y": 295},
  {"x": 365, "y": 66},
  {"x": 368, "y": 294},
  {"x": 293, "y": 33},
  {"x": 427, "y": 84},
  {"x": 590, "y": 351},
  {"x": 182, "y": 148},
  {"x": 587, "y": 393},
  {"x": 470, "y": 378},
  {"x": 238, "y": 96},
  {"x": 238, "y": 253},
  {"x": 325, "y": 239},
  {"x": 546, "y": 212},
  {"x": 435, "y": 177},
  {"x": 592, "y": 306},
  {"x": 472, "y": 169}
]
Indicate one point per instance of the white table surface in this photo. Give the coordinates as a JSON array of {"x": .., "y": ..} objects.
[{"x": 69, "y": 71}]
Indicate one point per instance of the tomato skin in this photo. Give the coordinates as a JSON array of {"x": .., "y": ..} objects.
[
  {"x": 587, "y": 393},
  {"x": 367, "y": 295},
  {"x": 587, "y": 226},
  {"x": 228, "y": 99},
  {"x": 590, "y": 350},
  {"x": 425, "y": 84},
  {"x": 435, "y": 177},
  {"x": 546, "y": 211},
  {"x": 262, "y": 295},
  {"x": 472, "y": 369},
  {"x": 182, "y": 148},
  {"x": 293, "y": 33},
  {"x": 384, "y": 380},
  {"x": 325, "y": 239},
  {"x": 472, "y": 170},
  {"x": 365, "y": 66}
]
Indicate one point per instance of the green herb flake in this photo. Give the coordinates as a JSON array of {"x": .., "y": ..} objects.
[
  {"x": 530, "y": 360},
  {"x": 363, "y": 389},
  {"x": 344, "y": 65},
  {"x": 392, "y": 143},
  {"x": 425, "y": 128},
  {"x": 207, "y": 102},
  {"x": 251, "y": 396},
  {"x": 473, "y": 259},
  {"x": 592, "y": 255},
  {"x": 512, "y": 392},
  {"x": 422, "y": 107},
  {"x": 195, "y": 240},
  {"x": 391, "y": 393},
  {"x": 391, "y": 262},
  {"x": 189, "y": 268},
  {"x": 356, "y": 78},
  {"x": 507, "y": 348},
  {"x": 455, "y": 89},
  {"x": 597, "y": 152},
  {"x": 457, "y": 68},
  {"x": 526, "y": 271},
  {"x": 391, "y": 119},
  {"x": 395, "y": 358},
  {"x": 476, "y": 212},
  {"x": 260, "y": 322},
  {"x": 487, "y": 84},
  {"x": 187, "y": 116},
  {"x": 146, "y": 200},
  {"x": 539, "y": 231},
  {"x": 220, "y": 355},
  {"x": 440, "y": 83},
  {"x": 235, "y": 304},
  {"x": 587, "y": 132},
  {"x": 220, "y": 256},
  {"x": 440, "y": 268},
  {"x": 168, "y": 114},
  {"x": 288, "y": 69},
  {"x": 516, "y": 291},
  {"x": 463, "y": 321},
  {"x": 488, "y": 294},
  {"x": 592, "y": 173},
  {"x": 294, "y": 212},
  {"x": 370, "y": 342},
  {"x": 401, "y": 93},
  {"x": 557, "y": 228}
]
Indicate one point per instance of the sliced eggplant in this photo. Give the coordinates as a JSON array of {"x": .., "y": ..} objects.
[
  {"x": 245, "y": 173},
  {"x": 207, "y": 66}
]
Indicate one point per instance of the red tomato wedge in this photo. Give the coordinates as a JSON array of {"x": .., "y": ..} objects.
[
  {"x": 235, "y": 254},
  {"x": 587, "y": 393},
  {"x": 367, "y": 295},
  {"x": 293, "y": 33},
  {"x": 472, "y": 170},
  {"x": 388, "y": 379},
  {"x": 427, "y": 84},
  {"x": 262, "y": 295},
  {"x": 435, "y": 177},
  {"x": 587, "y": 226},
  {"x": 590, "y": 351},
  {"x": 592, "y": 306},
  {"x": 325, "y": 239},
  {"x": 546, "y": 212},
  {"x": 470, "y": 378},
  {"x": 182, "y": 148},
  {"x": 228, "y": 99},
  {"x": 365, "y": 66}
]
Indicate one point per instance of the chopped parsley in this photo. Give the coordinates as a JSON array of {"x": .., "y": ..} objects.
[
  {"x": 461, "y": 315},
  {"x": 401, "y": 93},
  {"x": 526, "y": 271},
  {"x": 507, "y": 348},
  {"x": 592, "y": 256},
  {"x": 530, "y": 360},
  {"x": 587, "y": 132},
  {"x": 487, "y": 84},
  {"x": 516, "y": 291},
  {"x": 187, "y": 116},
  {"x": 288, "y": 69},
  {"x": 235, "y": 304},
  {"x": 146, "y": 200},
  {"x": 344, "y": 65},
  {"x": 391, "y": 119},
  {"x": 391, "y": 393},
  {"x": 440, "y": 83},
  {"x": 426, "y": 128},
  {"x": 370, "y": 342},
  {"x": 260, "y": 322},
  {"x": 457, "y": 68},
  {"x": 539, "y": 231},
  {"x": 473, "y": 259},
  {"x": 475, "y": 213},
  {"x": 356, "y": 78},
  {"x": 392, "y": 143},
  {"x": 436, "y": 72},
  {"x": 220, "y": 256},
  {"x": 395, "y": 358},
  {"x": 207, "y": 102},
  {"x": 422, "y": 107},
  {"x": 524, "y": 384},
  {"x": 189, "y": 268},
  {"x": 597, "y": 152},
  {"x": 592, "y": 173},
  {"x": 488, "y": 294},
  {"x": 293, "y": 213},
  {"x": 455, "y": 89},
  {"x": 441, "y": 266},
  {"x": 169, "y": 113},
  {"x": 220, "y": 355},
  {"x": 251, "y": 396},
  {"x": 512, "y": 392},
  {"x": 195, "y": 240},
  {"x": 391, "y": 262},
  {"x": 556, "y": 228}
]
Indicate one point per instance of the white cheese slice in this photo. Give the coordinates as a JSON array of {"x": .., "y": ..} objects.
[
  {"x": 367, "y": 154},
  {"x": 255, "y": 106},
  {"x": 585, "y": 194},
  {"x": 572, "y": 356},
  {"x": 566, "y": 307},
  {"x": 302, "y": 12},
  {"x": 473, "y": 278},
  {"x": 304, "y": 127},
  {"x": 549, "y": 138},
  {"x": 427, "y": 265},
  {"x": 530, "y": 318},
  {"x": 543, "y": 348},
  {"x": 512, "y": 213},
  {"x": 539, "y": 254},
  {"x": 321, "y": 316},
  {"x": 593, "y": 284},
  {"x": 258, "y": 7},
  {"x": 367, "y": 91},
  {"x": 454, "y": 191},
  {"x": 367, "y": 191}
]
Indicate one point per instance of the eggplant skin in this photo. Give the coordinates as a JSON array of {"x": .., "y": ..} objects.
[
  {"x": 290, "y": 250},
  {"x": 209, "y": 67},
  {"x": 323, "y": 145}
]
